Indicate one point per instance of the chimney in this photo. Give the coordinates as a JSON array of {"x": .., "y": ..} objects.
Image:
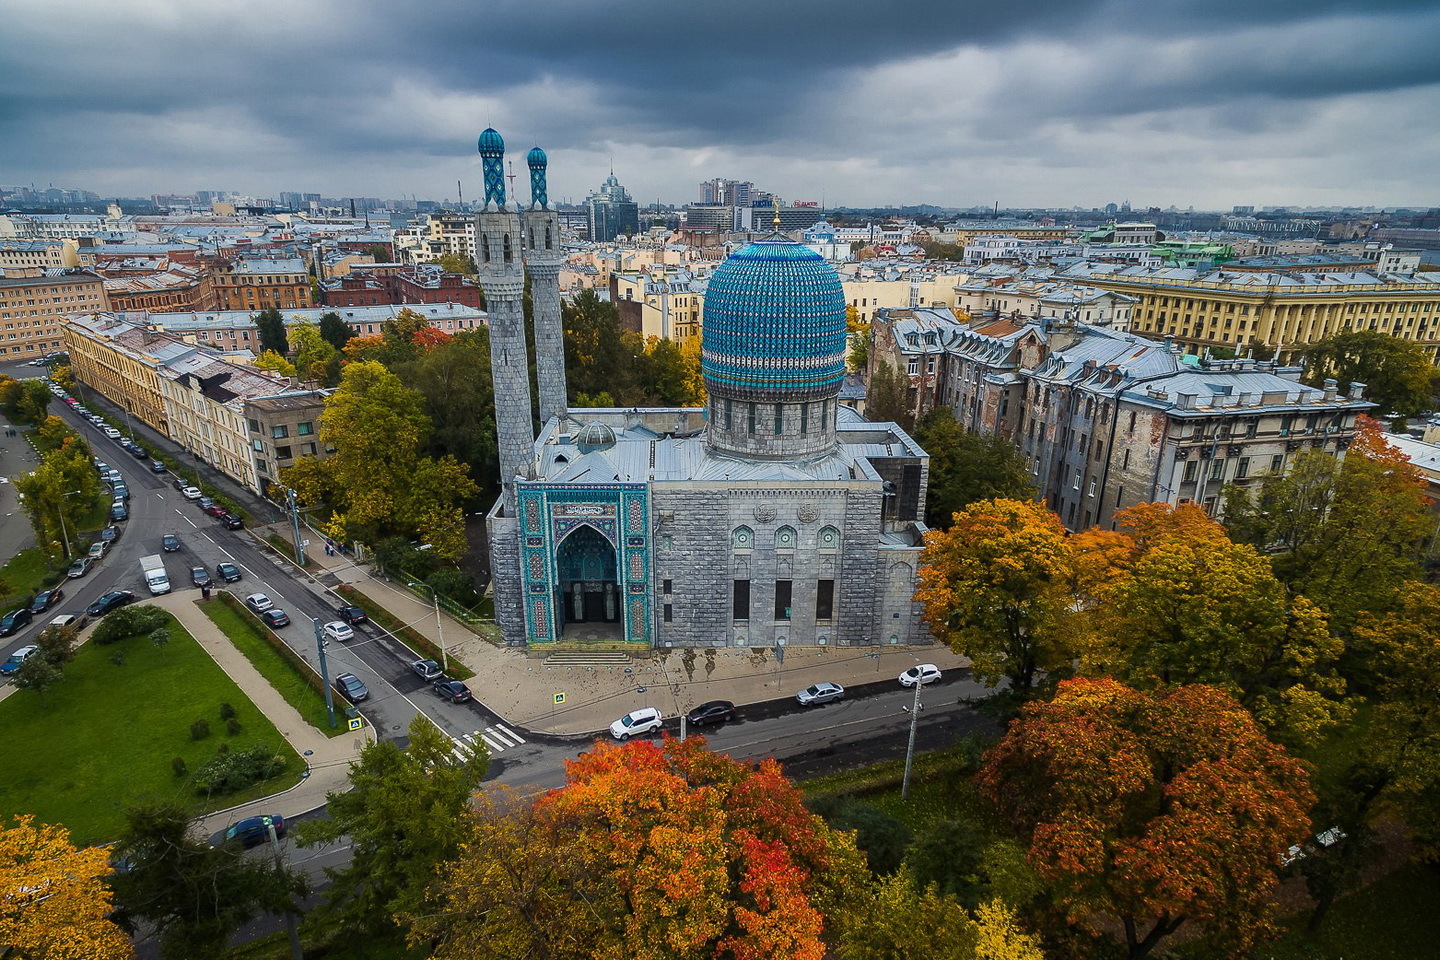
[
  {"x": 1185, "y": 401},
  {"x": 1331, "y": 388},
  {"x": 1357, "y": 391}
]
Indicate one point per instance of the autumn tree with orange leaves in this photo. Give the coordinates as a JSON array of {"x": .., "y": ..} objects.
[
  {"x": 657, "y": 851},
  {"x": 997, "y": 588},
  {"x": 53, "y": 899},
  {"x": 1148, "y": 811}
]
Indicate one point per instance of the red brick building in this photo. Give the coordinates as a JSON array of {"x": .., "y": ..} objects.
[{"x": 424, "y": 284}]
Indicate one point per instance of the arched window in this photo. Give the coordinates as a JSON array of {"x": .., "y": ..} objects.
[
  {"x": 785, "y": 539},
  {"x": 508, "y": 254},
  {"x": 743, "y": 538},
  {"x": 549, "y": 244},
  {"x": 485, "y": 248},
  {"x": 828, "y": 539}
]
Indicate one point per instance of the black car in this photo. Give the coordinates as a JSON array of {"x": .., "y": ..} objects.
[
  {"x": 14, "y": 620},
  {"x": 110, "y": 534},
  {"x": 200, "y": 576},
  {"x": 111, "y": 601},
  {"x": 232, "y": 522},
  {"x": 275, "y": 618},
  {"x": 170, "y": 543},
  {"x": 179, "y": 484},
  {"x": 351, "y": 688},
  {"x": 253, "y": 831},
  {"x": 139, "y": 452},
  {"x": 716, "y": 711},
  {"x": 228, "y": 572},
  {"x": 451, "y": 690},
  {"x": 46, "y": 599},
  {"x": 352, "y": 615}
]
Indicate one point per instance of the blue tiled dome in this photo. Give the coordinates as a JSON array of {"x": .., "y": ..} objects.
[
  {"x": 536, "y": 157},
  {"x": 491, "y": 143},
  {"x": 774, "y": 322}
]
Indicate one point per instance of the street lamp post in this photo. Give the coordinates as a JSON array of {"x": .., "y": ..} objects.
[
  {"x": 324, "y": 673},
  {"x": 296, "y": 950},
  {"x": 60, "y": 512},
  {"x": 439, "y": 626},
  {"x": 910, "y": 747}
]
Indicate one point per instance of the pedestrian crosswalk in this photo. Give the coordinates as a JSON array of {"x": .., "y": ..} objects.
[{"x": 496, "y": 739}]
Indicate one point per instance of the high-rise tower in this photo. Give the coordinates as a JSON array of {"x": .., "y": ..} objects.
[
  {"x": 543, "y": 259},
  {"x": 502, "y": 274}
]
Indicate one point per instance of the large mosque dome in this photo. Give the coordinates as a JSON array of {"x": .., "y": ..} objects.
[{"x": 773, "y": 352}]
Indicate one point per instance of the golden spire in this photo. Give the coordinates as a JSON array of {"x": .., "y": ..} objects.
[{"x": 776, "y": 202}]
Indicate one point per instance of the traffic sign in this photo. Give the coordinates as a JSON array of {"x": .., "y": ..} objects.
[
  {"x": 356, "y": 723},
  {"x": 559, "y": 698}
]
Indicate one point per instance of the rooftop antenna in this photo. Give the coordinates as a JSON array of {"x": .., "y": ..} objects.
[{"x": 511, "y": 176}]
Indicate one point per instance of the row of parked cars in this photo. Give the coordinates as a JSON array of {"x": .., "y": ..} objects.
[
  {"x": 451, "y": 691},
  {"x": 348, "y": 685}
]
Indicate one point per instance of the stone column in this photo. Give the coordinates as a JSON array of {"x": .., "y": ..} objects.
[
  {"x": 497, "y": 254},
  {"x": 543, "y": 259}
]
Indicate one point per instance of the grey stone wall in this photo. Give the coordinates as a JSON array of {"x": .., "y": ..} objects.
[
  {"x": 504, "y": 535},
  {"x": 732, "y": 434},
  {"x": 498, "y": 256},
  {"x": 544, "y": 259}
]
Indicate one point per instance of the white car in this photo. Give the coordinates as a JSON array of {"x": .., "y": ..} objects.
[
  {"x": 258, "y": 602},
  {"x": 427, "y": 669},
  {"x": 921, "y": 673},
  {"x": 191, "y": 493},
  {"x": 111, "y": 432},
  {"x": 636, "y": 722},
  {"x": 335, "y": 630}
]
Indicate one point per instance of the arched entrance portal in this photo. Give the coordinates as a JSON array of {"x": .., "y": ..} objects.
[{"x": 589, "y": 600}]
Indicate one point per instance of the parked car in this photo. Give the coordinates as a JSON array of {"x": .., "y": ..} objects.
[
  {"x": 119, "y": 512},
  {"x": 451, "y": 690},
  {"x": 231, "y": 522},
  {"x": 427, "y": 669},
  {"x": 351, "y": 688},
  {"x": 819, "y": 693},
  {"x": 138, "y": 452},
  {"x": 103, "y": 467},
  {"x": 156, "y": 466},
  {"x": 112, "y": 476},
  {"x": 14, "y": 620},
  {"x": 716, "y": 711},
  {"x": 76, "y": 620},
  {"x": 111, "y": 432},
  {"x": 179, "y": 484},
  {"x": 636, "y": 722},
  {"x": 110, "y": 601},
  {"x": 335, "y": 630},
  {"x": 191, "y": 493},
  {"x": 79, "y": 568},
  {"x": 227, "y": 572},
  {"x": 170, "y": 543},
  {"x": 205, "y": 503},
  {"x": 258, "y": 603},
  {"x": 352, "y": 615},
  {"x": 199, "y": 576},
  {"x": 121, "y": 491},
  {"x": 46, "y": 599},
  {"x": 110, "y": 534},
  {"x": 921, "y": 673},
  {"x": 275, "y": 617},
  {"x": 98, "y": 549},
  {"x": 18, "y": 657},
  {"x": 253, "y": 831}
]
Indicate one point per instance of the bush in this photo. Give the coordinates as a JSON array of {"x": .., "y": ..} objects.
[
  {"x": 130, "y": 622},
  {"x": 232, "y": 727},
  {"x": 226, "y": 711},
  {"x": 882, "y": 838},
  {"x": 200, "y": 729},
  {"x": 118, "y": 658},
  {"x": 238, "y": 769},
  {"x": 454, "y": 585},
  {"x": 178, "y": 765}
]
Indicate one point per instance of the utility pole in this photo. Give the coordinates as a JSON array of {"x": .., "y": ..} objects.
[
  {"x": 296, "y": 951},
  {"x": 295, "y": 519},
  {"x": 60, "y": 514},
  {"x": 324, "y": 673},
  {"x": 910, "y": 748},
  {"x": 440, "y": 630}
]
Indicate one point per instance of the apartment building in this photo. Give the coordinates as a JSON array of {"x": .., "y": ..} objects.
[
  {"x": 45, "y": 254},
  {"x": 257, "y": 284},
  {"x": 234, "y": 330},
  {"x": 172, "y": 287},
  {"x": 33, "y": 302},
  {"x": 662, "y": 302}
]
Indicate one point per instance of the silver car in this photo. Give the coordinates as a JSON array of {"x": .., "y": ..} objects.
[{"x": 819, "y": 693}]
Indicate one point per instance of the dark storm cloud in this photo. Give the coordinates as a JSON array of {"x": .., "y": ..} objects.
[{"x": 844, "y": 97}]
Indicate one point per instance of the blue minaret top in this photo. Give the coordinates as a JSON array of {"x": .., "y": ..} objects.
[
  {"x": 537, "y": 161},
  {"x": 492, "y": 158}
]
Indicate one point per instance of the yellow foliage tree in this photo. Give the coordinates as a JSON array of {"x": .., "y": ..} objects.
[
  {"x": 270, "y": 360},
  {"x": 54, "y": 903}
]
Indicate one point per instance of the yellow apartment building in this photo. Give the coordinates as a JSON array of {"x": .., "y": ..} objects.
[{"x": 33, "y": 301}]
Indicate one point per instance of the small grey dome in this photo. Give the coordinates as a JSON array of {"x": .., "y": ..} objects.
[{"x": 595, "y": 436}]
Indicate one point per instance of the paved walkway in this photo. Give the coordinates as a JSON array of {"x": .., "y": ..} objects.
[
  {"x": 328, "y": 757},
  {"x": 16, "y": 457},
  {"x": 522, "y": 687}
]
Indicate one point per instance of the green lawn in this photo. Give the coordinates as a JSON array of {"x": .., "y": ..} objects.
[
  {"x": 24, "y": 572},
  {"x": 1395, "y": 918},
  {"x": 105, "y": 736},
  {"x": 285, "y": 678}
]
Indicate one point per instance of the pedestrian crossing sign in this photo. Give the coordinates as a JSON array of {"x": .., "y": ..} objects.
[
  {"x": 356, "y": 723},
  {"x": 559, "y": 698}
]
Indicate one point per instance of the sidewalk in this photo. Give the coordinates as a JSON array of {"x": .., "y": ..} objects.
[
  {"x": 17, "y": 456},
  {"x": 521, "y": 687},
  {"x": 328, "y": 757}
]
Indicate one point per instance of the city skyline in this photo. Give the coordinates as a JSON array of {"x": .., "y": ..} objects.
[{"x": 957, "y": 105}]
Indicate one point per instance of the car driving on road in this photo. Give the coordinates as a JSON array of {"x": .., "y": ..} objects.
[
  {"x": 716, "y": 711},
  {"x": 227, "y": 572},
  {"x": 336, "y": 630},
  {"x": 275, "y": 617},
  {"x": 921, "y": 673},
  {"x": 170, "y": 543},
  {"x": 253, "y": 831},
  {"x": 17, "y": 658},
  {"x": 427, "y": 669},
  {"x": 452, "y": 690},
  {"x": 258, "y": 603},
  {"x": 351, "y": 688},
  {"x": 824, "y": 692},
  {"x": 110, "y": 601},
  {"x": 636, "y": 722}
]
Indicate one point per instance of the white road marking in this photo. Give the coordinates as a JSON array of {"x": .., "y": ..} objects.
[{"x": 500, "y": 728}]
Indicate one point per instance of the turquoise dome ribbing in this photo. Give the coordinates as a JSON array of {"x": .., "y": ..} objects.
[{"x": 774, "y": 323}]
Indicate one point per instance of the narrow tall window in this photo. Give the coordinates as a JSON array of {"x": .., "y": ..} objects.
[
  {"x": 779, "y": 419},
  {"x": 729, "y": 414},
  {"x": 752, "y": 419},
  {"x": 804, "y": 418},
  {"x": 824, "y": 601},
  {"x": 782, "y": 599},
  {"x": 742, "y": 600}
]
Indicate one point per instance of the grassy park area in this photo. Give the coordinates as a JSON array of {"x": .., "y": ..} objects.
[{"x": 105, "y": 737}]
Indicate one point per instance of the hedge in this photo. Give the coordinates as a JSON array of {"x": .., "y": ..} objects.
[{"x": 296, "y": 661}]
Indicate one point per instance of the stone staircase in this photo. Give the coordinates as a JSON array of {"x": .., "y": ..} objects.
[{"x": 587, "y": 658}]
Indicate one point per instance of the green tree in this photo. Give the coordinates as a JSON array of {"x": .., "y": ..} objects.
[
  {"x": 667, "y": 375},
  {"x": 1398, "y": 374},
  {"x": 898, "y": 919},
  {"x": 454, "y": 380},
  {"x": 24, "y": 401},
  {"x": 193, "y": 895},
  {"x": 403, "y": 815},
  {"x": 857, "y": 340},
  {"x": 457, "y": 263},
  {"x": 966, "y": 467},
  {"x": 63, "y": 485},
  {"x": 57, "y": 644},
  {"x": 335, "y": 330},
  {"x": 887, "y": 397},
  {"x": 272, "y": 361},
  {"x": 38, "y": 674},
  {"x": 996, "y": 588},
  {"x": 316, "y": 358},
  {"x": 600, "y": 356},
  {"x": 270, "y": 328}
]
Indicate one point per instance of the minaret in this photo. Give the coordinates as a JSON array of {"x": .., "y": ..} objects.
[
  {"x": 502, "y": 275},
  {"x": 543, "y": 259}
]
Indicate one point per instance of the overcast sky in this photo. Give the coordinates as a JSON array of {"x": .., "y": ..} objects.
[{"x": 952, "y": 102}]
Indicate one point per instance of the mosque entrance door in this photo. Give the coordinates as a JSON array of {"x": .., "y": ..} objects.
[{"x": 589, "y": 585}]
